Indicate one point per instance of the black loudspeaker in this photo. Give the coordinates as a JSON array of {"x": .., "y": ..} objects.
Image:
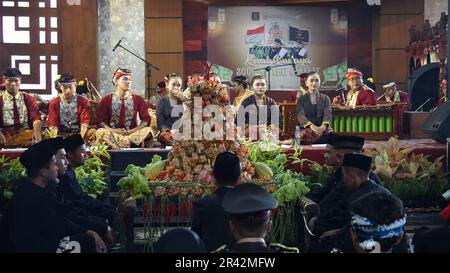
[
  {"x": 423, "y": 87},
  {"x": 438, "y": 123}
]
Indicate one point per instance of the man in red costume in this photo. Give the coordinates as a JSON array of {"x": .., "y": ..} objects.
[
  {"x": 118, "y": 115},
  {"x": 20, "y": 118},
  {"x": 358, "y": 93},
  {"x": 392, "y": 95},
  {"x": 68, "y": 113}
]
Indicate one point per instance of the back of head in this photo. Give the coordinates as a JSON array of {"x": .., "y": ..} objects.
[
  {"x": 180, "y": 240},
  {"x": 227, "y": 169},
  {"x": 380, "y": 217},
  {"x": 348, "y": 143},
  {"x": 370, "y": 83},
  {"x": 249, "y": 207}
]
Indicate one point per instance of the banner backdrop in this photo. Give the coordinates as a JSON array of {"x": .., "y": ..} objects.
[{"x": 249, "y": 40}]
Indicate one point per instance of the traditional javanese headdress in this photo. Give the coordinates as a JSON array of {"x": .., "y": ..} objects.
[
  {"x": 352, "y": 72},
  {"x": 122, "y": 72},
  {"x": 12, "y": 73}
]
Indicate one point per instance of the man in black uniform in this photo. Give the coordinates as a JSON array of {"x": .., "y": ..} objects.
[
  {"x": 332, "y": 195},
  {"x": 339, "y": 146},
  {"x": 35, "y": 224},
  {"x": 180, "y": 240},
  {"x": 249, "y": 206},
  {"x": 70, "y": 188},
  {"x": 66, "y": 207},
  {"x": 210, "y": 221},
  {"x": 355, "y": 169}
]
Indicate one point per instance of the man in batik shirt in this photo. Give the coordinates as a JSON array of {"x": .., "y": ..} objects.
[
  {"x": 118, "y": 114},
  {"x": 68, "y": 113},
  {"x": 20, "y": 118}
]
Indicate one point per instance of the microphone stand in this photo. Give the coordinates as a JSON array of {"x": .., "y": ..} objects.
[
  {"x": 269, "y": 68},
  {"x": 423, "y": 104},
  {"x": 148, "y": 67}
]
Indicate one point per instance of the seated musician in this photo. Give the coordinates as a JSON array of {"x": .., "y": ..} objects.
[
  {"x": 161, "y": 91},
  {"x": 392, "y": 95},
  {"x": 68, "y": 113},
  {"x": 258, "y": 109},
  {"x": 117, "y": 115},
  {"x": 314, "y": 112},
  {"x": 241, "y": 90},
  {"x": 358, "y": 93},
  {"x": 442, "y": 92},
  {"x": 295, "y": 95},
  {"x": 20, "y": 118},
  {"x": 165, "y": 115}
]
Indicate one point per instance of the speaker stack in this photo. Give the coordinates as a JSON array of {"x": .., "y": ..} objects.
[{"x": 438, "y": 123}]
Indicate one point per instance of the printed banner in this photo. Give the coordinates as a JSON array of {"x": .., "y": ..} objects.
[{"x": 258, "y": 40}]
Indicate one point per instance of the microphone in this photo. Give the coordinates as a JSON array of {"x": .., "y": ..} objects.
[
  {"x": 118, "y": 44},
  {"x": 293, "y": 65}
]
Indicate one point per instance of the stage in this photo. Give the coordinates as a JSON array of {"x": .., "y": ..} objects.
[
  {"x": 122, "y": 157},
  {"x": 312, "y": 152}
]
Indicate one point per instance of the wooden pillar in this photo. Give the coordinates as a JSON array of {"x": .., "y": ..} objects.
[
  {"x": 391, "y": 36},
  {"x": 164, "y": 38},
  {"x": 79, "y": 52}
]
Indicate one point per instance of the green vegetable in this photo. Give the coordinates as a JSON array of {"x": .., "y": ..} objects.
[{"x": 93, "y": 174}]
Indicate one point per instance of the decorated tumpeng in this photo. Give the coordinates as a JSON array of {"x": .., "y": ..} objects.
[{"x": 206, "y": 130}]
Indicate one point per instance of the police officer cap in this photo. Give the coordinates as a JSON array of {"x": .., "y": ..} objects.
[
  {"x": 56, "y": 143},
  {"x": 360, "y": 161},
  {"x": 180, "y": 240},
  {"x": 36, "y": 156},
  {"x": 248, "y": 198},
  {"x": 73, "y": 142},
  {"x": 227, "y": 167},
  {"x": 348, "y": 142}
]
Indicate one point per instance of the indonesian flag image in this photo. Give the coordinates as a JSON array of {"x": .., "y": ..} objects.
[{"x": 255, "y": 35}]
